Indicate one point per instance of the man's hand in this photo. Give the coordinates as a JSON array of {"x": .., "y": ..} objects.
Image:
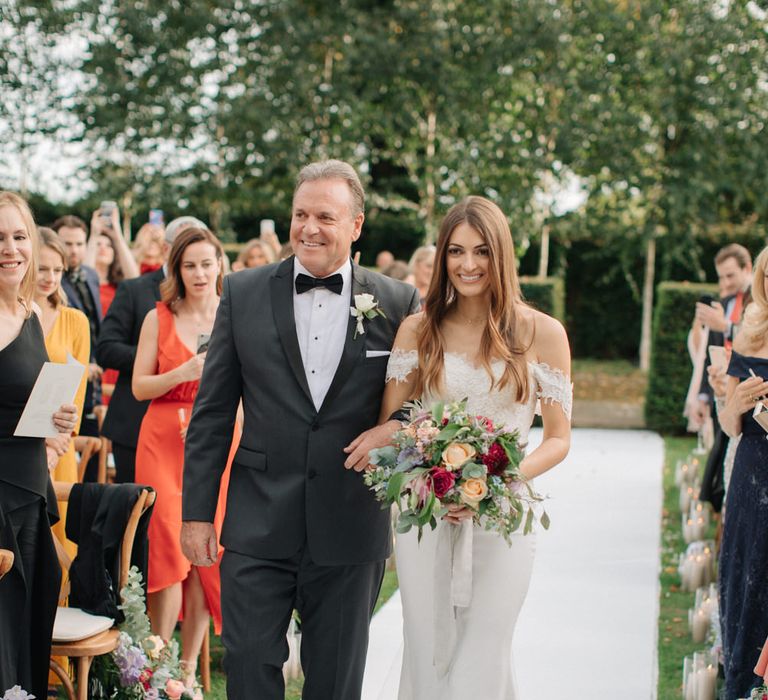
[
  {"x": 359, "y": 448},
  {"x": 712, "y": 316},
  {"x": 94, "y": 371},
  {"x": 199, "y": 543}
]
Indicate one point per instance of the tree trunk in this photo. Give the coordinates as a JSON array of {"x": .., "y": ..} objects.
[
  {"x": 645, "y": 331},
  {"x": 429, "y": 204},
  {"x": 544, "y": 253}
]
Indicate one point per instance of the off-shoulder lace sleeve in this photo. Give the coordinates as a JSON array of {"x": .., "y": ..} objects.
[
  {"x": 401, "y": 364},
  {"x": 553, "y": 386}
]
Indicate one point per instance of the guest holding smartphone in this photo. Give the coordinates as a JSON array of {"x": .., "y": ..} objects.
[
  {"x": 29, "y": 591},
  {"x": 167, "y": 371}
]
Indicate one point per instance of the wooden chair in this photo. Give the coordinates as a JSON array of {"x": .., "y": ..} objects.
[
  {"x": 6, "y": 561},
  {"x": 109, "y": 477},
  {"x": 109, "y": 472},
  {"x": 85, "y": 650},
  {"x": 87, "y": 447}
]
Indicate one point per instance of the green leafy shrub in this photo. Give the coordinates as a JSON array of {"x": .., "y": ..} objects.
[
  {"x": 547, "y": 295},
  {"x": 670, "y": 371}
]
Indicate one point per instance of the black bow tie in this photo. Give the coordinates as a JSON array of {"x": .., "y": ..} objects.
[{"x": 304, "y": 283}]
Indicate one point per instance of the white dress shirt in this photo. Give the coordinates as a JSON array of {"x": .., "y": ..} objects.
[{"x": 321, "y": 318}]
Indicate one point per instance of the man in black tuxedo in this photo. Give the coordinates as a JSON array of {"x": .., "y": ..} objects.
[
  {"x": 116, "y": 349},
  {"x": 300, "y": 531}
]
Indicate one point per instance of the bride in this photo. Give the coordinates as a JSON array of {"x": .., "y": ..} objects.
[{"x": 462, "y": 587}]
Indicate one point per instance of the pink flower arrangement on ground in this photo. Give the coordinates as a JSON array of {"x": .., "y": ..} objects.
[
  {"x": 445, "y": 455},
  {"x": 144, "y": 666}
]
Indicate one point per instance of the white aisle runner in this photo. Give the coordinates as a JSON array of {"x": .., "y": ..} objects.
[{"x": 588, "y": 629}]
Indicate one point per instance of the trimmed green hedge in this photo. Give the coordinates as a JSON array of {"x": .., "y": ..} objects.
[
  {"x": 670, "y": 371},
  {"x": 547, "y": 295}
]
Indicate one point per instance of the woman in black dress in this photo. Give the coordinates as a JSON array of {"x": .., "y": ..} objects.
[
  {"x": 29, "y": 592},
  {"x": 743, "y": 570}
]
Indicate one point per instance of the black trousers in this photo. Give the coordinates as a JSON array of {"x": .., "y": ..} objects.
[
  {"x": 28, "y": 598},
  {"x": 335, "y": 604},
  {"x": 125, "y": 463}
]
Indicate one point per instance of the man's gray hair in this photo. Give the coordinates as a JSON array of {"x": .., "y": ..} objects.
[
  {"x": 335, "y": 170},
  {"x": 175, "y": 227}
]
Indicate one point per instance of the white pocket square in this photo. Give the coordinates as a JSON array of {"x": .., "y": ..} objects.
[{"x": 376, "y": 353}]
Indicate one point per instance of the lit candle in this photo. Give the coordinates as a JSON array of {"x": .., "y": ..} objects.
[
  {"x": 706, "y": 682},
  {"x": 686, "y": 495},
  {"x": 699, "y": 626}
]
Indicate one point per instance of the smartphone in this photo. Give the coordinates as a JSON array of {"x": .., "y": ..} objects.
[
  {"x": 156, "y": 217},
  {"x": 707, "y": 299},
  {"x": 105, "y": 211},
  {"x": 718, "y": 357},
  {"x": 203, "y": 340},
  {"x": 266, "y": 226}
]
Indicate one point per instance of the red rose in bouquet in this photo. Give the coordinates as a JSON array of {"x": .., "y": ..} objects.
[
  {"x": 442, "y": 481},
  {"x": 495, "y": 459}
]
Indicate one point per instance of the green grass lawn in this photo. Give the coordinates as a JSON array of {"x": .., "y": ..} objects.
[
  {"x": 608, "y": 380},
  {"x": 293, "y": 689},
  {"x": 674, "y": 639}
]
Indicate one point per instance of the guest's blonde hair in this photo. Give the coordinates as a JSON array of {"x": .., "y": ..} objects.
[
  {"x": 50, "y": 239},
  {"x": 754, "y": 329},
  {"x": 29, "y": 281}
]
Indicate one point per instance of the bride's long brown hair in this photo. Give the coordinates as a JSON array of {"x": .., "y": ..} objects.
[{"x": 500, "y": 339}]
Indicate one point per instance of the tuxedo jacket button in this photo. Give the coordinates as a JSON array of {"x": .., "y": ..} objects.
[
  {"x": 311, "y": 473},
  {"x": 315, "y": 426}
]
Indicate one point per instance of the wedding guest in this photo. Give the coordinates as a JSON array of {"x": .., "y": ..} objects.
[
  {"x": 422, "y": 263},
  {"x": 81, "y": 285},
  {"x": 167, "y": 372},
  {"x": 255, "y": 253},
  {"x": 29, "y": 592},
  {"x": 149, "y": 248},
  {"x": 116, "y": 349},
  {"x": 384, "y": 259},
  {"x": 399, "y": 270},
  {"x": 743, "y": 566},
  {"x": 108, "y": 253},
  {"x": 66, "y": 333},
  {"x": 733, "y": 265}
]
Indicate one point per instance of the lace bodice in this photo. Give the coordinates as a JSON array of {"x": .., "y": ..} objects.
[{"x": 462, "y": 380}]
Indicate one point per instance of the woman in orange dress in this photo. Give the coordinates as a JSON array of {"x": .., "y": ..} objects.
[
  {"x": 167, "y": 370},
  {"x": 67, "y": 332}
]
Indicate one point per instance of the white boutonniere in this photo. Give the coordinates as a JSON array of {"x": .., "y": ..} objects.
[{"x": 365, "y": 307}]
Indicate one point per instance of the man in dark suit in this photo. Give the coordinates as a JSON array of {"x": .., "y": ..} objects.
[
  {"x": 81, "y": 285},
  {"x": 116, "y": 349},
  {"x": 733, "y": 265},
  {"x": 300, "y": 531}
]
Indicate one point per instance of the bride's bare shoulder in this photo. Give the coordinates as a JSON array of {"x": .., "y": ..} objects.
[
  {"x": 544, "y": 334},
  {"x": 408, "y": 333}
]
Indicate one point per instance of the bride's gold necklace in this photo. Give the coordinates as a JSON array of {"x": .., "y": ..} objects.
[{"x": 472, "y": 321}]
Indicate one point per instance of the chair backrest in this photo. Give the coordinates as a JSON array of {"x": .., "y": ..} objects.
[
  {"x": 145, "y": 501},
  {"x": 87, "y": 447}
]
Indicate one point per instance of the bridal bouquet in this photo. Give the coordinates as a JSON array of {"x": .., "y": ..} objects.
[{"x": 447, "y": 456}]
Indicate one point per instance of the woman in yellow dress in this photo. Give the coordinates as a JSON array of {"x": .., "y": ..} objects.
[{"x": 66, "y": 332}]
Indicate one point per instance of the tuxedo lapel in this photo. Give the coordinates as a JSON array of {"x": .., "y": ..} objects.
[
  {"x": 353, "y": 347},
  {"x": 281, "y": 291}
]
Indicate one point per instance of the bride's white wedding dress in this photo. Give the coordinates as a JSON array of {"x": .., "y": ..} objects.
[{"x": 462, "y": 587}]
